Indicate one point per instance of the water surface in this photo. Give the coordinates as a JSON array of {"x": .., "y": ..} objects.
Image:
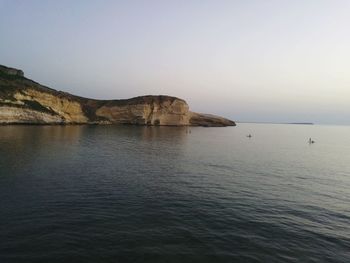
[{"x": 165, "y": 194}]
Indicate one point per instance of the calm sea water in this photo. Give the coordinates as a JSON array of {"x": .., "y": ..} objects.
[{"x": 162, "y": 194}]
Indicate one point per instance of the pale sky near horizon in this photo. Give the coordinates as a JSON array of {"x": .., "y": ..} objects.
[{"x": 273, "y": 61}]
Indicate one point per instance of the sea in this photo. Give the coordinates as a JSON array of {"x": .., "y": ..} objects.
[{"x": 175, "y": 194}]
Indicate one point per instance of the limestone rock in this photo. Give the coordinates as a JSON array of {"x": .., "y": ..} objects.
[
  {"x": 209, "y": 120},
  {"x": 25, "y": 101}
]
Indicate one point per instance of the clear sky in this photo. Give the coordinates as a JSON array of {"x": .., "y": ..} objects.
[{"x": 280, "y": 61}]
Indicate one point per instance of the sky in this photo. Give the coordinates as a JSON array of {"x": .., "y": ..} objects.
[{"x": 266, "y": 61}]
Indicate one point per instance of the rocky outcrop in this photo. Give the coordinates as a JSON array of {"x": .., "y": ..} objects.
[
  {"x": 209, "y": 120},
  {"x": 9, "y": 114},
  {"x": 69, "y": 110},
  {"x": 25, "y": 101},
  {"x": 11, "y": 71},
  {"x": 149, "y": 110}
]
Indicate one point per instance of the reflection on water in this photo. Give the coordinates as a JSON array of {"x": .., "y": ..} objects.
[
  {"x": 162, "y": 194},
  {"x": 37, "y": 142}
]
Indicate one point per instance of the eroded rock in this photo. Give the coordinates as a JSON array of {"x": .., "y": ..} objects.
[{"x": 25, "y": 101}]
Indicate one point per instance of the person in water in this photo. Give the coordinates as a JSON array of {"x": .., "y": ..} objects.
[
  {"x": 249, "y": 136},
  {"x": 311, "y": 141}
]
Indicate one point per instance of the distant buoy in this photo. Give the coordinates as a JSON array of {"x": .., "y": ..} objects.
[{"x": 311, "y": 141}]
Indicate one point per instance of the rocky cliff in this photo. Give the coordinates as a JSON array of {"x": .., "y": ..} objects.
[{"x": 25, "y": 101}]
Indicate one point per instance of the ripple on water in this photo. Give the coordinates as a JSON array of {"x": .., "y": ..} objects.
[{"x": 143, "y": 194}]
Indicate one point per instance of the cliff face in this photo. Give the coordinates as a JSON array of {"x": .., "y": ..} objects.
[{"x": 25, "y": 101}]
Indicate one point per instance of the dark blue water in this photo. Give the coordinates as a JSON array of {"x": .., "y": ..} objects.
[{"x": 161, "y": 194}]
